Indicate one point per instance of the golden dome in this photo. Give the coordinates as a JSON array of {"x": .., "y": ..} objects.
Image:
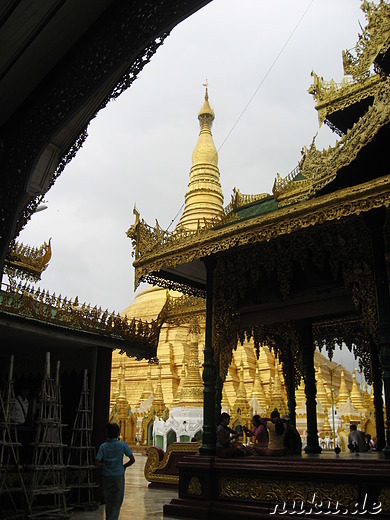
[{"x": 147, "y": 304}]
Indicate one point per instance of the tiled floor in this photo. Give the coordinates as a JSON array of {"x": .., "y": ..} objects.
[{"x": 140, "y": 502}]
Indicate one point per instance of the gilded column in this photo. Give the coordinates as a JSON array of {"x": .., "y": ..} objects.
[
  {"x": 305, "y": 330},
  {"x": 375, "y": 221},
  {"x": 378, "y": 399},
  {"x": 209, "y": 373},
  {"x": 290, "y": 386}
]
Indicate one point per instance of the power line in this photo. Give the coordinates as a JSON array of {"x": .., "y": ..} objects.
[
  {"x": 266, "y": 74},
  {"x": 255, "y": 92}
]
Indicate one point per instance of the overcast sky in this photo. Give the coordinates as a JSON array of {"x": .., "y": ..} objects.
[{"x": 139, "y": 148}]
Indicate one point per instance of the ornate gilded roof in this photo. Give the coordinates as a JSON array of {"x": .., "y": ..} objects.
[
  {"x": 372, "y": 43},
  {"x": 26, "y": 302},
  {"x": 296, "y": 203},
  {"x": 318, "y": 168},
  {"x": 327, "y": 184},
  {"x": 332, "y": 97},
  {"x": 26, "y": 262}
]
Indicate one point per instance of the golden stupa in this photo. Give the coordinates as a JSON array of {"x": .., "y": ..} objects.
[{"x": 252, "y": 385}]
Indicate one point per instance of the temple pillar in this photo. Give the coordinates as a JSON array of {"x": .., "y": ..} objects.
[
  {"x": 100, "y": 382},
  {"x": 375, "y": 221},
  {"x": 305, "y": 330},
  {"x": 218, "y": 392},
  {"x": 377, "y": 384},
  {"x": 290, "y": 385},
  {"x": 209, "y": 373}
]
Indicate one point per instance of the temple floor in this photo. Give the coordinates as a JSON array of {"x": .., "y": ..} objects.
[{"x": 140, "y": 502}]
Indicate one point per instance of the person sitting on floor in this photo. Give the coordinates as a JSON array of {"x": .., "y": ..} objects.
[
  {"x": 292, "y": 439},
  {"x": 225, "y": 437},
  {"x": 276, "y": 432},
  {"x": 259, "y": 432},
  {"x": 356, "y": 440}
]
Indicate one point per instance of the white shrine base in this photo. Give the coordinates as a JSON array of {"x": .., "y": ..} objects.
[{"x": 182, "y": 425}]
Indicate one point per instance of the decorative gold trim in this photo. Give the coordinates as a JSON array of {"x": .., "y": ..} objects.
[
  {"x": 182, "y": 309},
  {"x": 327, "y": 208},
  {"x": 344, "y": 254},
  {"x": 194, "y": 487},
  {"x": 239, "y": 199},
  {"x": 384, "y": 499},
  {"x": 319, "y": 168},
  {"x": 374, "y": 40},
  {"x": 289, "y": 190},
  {"x": 27, "y": 302},
  {"x": 332, "y": 97},
  {"x": 153, "y": 463},
  {"x": 26, "y": 262},
  {"x": 241, "y": 488}
]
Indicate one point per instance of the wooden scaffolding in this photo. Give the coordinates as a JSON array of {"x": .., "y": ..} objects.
[
  {"x": 48, "y": 490},
  {"x": 81, "y": 456}
]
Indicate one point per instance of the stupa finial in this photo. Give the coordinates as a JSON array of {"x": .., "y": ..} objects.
[{"x": 203, "y": 198}]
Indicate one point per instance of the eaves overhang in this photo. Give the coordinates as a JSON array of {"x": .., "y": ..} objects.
[{"x": 174, "y": 259}]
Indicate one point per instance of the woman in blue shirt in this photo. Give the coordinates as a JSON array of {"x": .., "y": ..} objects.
[{"x": 110, "y": 459}]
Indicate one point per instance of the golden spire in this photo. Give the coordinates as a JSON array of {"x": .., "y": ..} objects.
[
  {"x": 122, "y": 404},
  {"x": 326, "y": 430},
  {"x": 158, "y": 402},
  {"x": 148, "y": 389},
  {"x": 122, "y": 384},
  {"x": 241, "y": 402},
  {"x": 300, "y": 396},
  {"x": 203, "y": 198},
  {"x": 322, "y": 394},
  {"x": 115, "y": 393},
  {"x": 356, "y": 394},
  {"x": 192, "y": 392},
  {"x": 225, "y": 405},
  {"x": 277, "y": 398},
  {"x": 368, "y": 401},
  {"x": 343, "y": 390},
  {"x": 258, "y": 390},
  {"x": 181, "y": 382}
]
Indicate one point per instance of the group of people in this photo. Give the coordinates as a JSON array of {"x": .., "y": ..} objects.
[
  {"x": 273, "y": 436},
  {"x": 359, "y": 441}
]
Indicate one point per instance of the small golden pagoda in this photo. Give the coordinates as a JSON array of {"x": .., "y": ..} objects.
[
  {"x": 343, "y": 394},
  {"x": 356, "y": 393},
  {"x": 191, "y": 394},
  {"x": 240, "y": 411}
]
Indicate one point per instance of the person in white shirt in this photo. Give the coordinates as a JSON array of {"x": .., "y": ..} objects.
[{"x": 356, "y": 439}]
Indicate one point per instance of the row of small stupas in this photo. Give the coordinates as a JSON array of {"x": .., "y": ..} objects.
[{"x": 251, "y": 385}]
